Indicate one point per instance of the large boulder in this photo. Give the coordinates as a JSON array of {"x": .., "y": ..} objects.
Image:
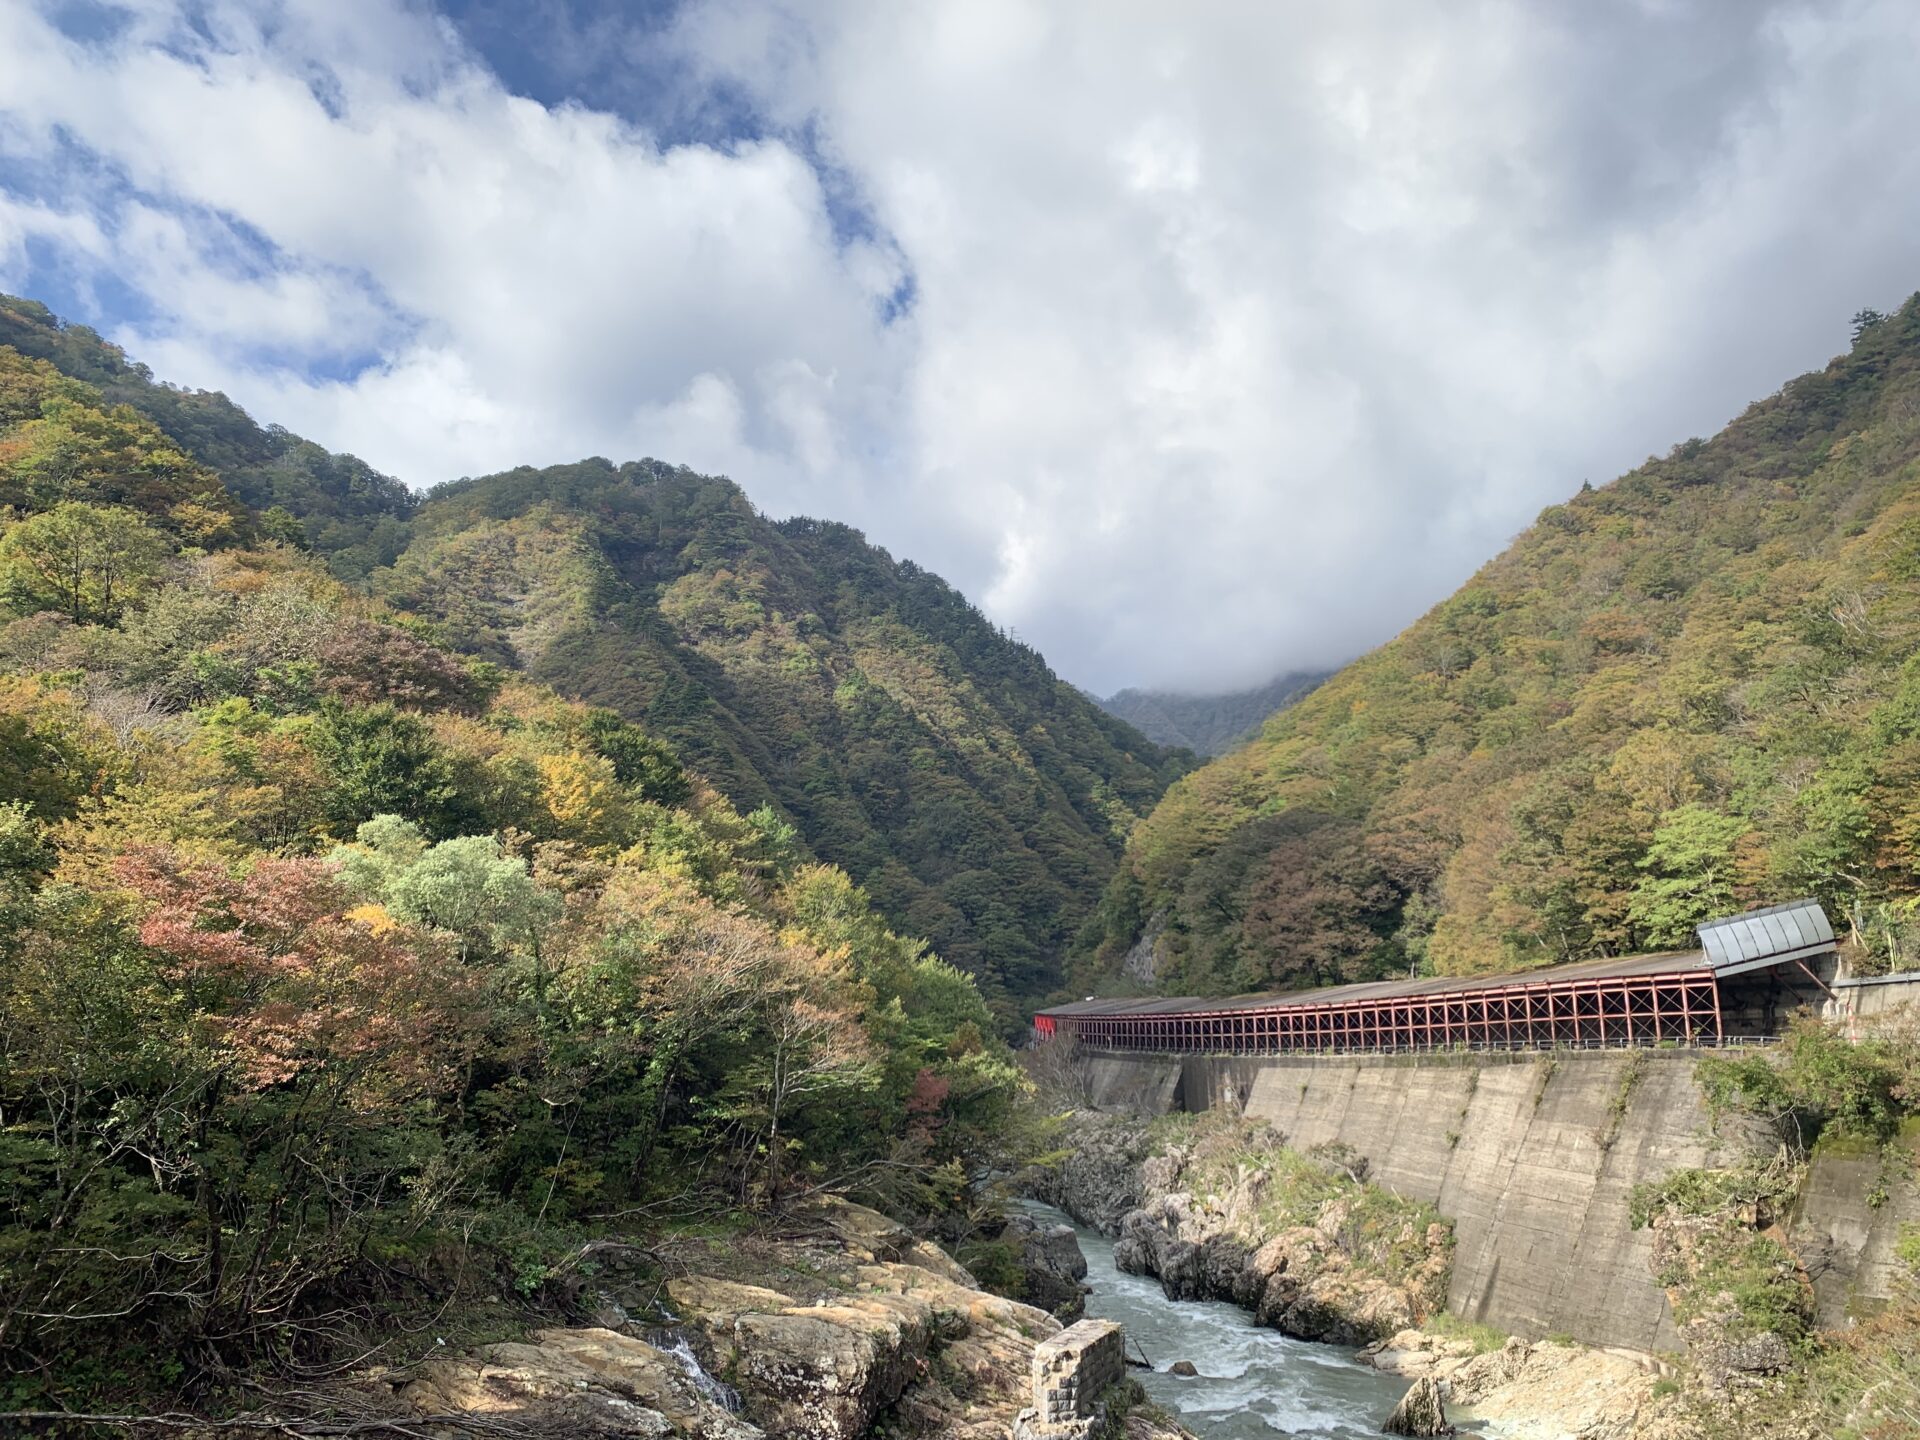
[
  {"x": 1541, "y": 1387},
  {"x": 824, "y": 1371},
  {"x": 1051, "y": 1264},
  {"x": 1420, "y": 1412},
  {"x": 812, "y": 1372},
  {"x": 588, "y": 1382}
]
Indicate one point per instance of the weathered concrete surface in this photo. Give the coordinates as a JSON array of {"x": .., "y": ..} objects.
[
  {"x": 1875, "y": 996},
  {"x": 1138, "y": 1084},
  {"x": 1073, "y": 1370},
  {"x": 1845, "y": 1239},
  {"x": 1532, "y": 1157}
]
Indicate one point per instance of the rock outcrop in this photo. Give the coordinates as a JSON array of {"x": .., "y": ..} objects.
[
  {"x": 1097, "y": 1180},
  {"x": 820, "y": 1371},
  {"x": 1334, "y": 1262},
  {"x": 1537, "y": 1391},
  {"x": 586, "y": 1382},
  {"x": 1420, "y": 1412},
  {"x": 1734, "y": 1287},
  {"x": 1303, "y": 1281},
  {"x": 862, "y": 1329},
  {"x": 1051, "y": 1265}
]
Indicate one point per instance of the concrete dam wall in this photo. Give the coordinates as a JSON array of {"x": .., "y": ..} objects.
[{"x": 1531, "y": 1156}]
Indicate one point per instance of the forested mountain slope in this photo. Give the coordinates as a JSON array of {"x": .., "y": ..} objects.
[
  {"x": 1209, "y": 724},
  {"x": 338, "y": 507},
  {"x": 349, "y": 984},
  {"x": 1692, "y": 689},
  {"x": 982, "y": 800}
]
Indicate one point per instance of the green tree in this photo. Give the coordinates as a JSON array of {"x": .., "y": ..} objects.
[
  {"x": 638, "y": 759},
  {"x": 89, "y": 561},
  {"x": 468, "y": 886},
  {"x": 381, "y": 761},
  {"x": 1689, "y": 875}
]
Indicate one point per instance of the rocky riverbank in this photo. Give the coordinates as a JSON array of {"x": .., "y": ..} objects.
[
  {"x": 841, "y": 1326},
  {"x": 1218, "y": 1208},
  {"x": 1541, "y": 1390}
]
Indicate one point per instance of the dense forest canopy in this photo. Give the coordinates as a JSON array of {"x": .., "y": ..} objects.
[
  {"x": 343, "y": 973},
  {"x": 980, "y": 800},
  {"x": 1687, "y": 691},
  {"x": 334, "y": 505}
]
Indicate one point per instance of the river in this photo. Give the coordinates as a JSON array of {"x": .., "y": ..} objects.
[{"x": 1254, "y": 1383}]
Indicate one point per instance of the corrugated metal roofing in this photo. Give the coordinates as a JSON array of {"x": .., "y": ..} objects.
[
  {"x": 1671, "y": 963},
  {"x": 1767, "y": 937}
]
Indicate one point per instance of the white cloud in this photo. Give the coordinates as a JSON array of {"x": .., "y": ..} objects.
[
  {"x": 1238, "y": 334},
  {"x": 541, "y": 284}
]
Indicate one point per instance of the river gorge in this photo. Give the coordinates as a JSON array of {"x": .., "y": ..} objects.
[{"x": 1254, "y": 1383}]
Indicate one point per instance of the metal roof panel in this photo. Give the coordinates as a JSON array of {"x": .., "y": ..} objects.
[
  {"x": 1668, "y": 963},
  {"x": 1784, "y": 931}
]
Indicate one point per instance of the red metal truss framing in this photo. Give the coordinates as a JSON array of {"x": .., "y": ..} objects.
[{"x": 1683, "y": 1008}]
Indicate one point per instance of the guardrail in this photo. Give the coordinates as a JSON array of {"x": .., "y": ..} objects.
[{"x": 1497, "y": 1047}]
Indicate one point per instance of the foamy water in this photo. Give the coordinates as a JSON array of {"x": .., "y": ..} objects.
[{"x": 1254, "y": 1383}]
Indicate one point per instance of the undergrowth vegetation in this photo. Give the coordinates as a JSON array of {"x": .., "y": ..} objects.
[{"x": 1720, "y": 1241}]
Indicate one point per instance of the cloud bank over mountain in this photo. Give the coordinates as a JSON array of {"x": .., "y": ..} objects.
[{"x": 1193, "y": 345}]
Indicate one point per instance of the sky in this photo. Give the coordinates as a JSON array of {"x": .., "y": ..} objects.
[{"x": 1193, "y": 342}]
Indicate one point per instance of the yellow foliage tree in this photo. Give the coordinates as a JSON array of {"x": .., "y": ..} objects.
[{"x": 583, "y": 798}]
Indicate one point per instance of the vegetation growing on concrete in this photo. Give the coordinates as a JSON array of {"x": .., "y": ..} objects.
[
  {"x": 1720, "y": 1257},
  {"x": 1756, "y": 1273},
  {"x": 1907, "y": 1250},
  {"x": 1821, "y": 1081},
  {"x": 1630, "y": 1074},
  {"x": 1760, "y": 1189},
  {"x": 1721, "y": 1254}
]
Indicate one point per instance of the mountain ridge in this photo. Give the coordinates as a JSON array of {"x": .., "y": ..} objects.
[
  {"x": 1209, "y": 724},
  {"x": 980, "y": 799}
]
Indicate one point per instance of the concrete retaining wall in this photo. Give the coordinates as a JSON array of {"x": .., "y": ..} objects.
[
  {"x": 1532, "y": 1157},
  {"x": 1848, "y": 1219},
  {"x": 1138, "y": 1084},
  {"x": 1877, "y": 995}
]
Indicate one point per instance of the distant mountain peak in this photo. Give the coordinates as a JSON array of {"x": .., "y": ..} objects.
[{"x": 1209, "y": 724}]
